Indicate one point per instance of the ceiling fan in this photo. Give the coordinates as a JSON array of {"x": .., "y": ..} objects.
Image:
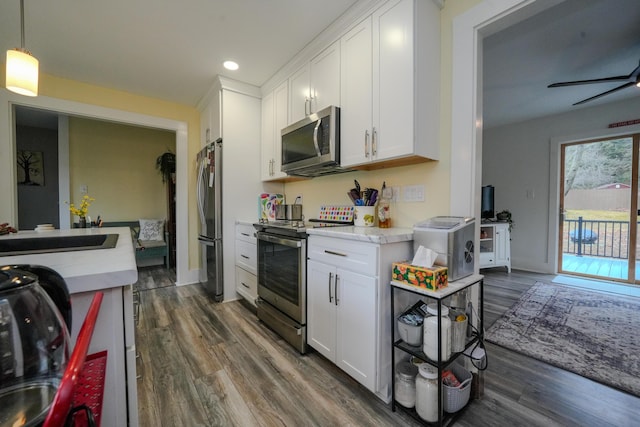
[{"x": 630, "y": 80}]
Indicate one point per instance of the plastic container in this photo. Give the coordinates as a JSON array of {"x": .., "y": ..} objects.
[
  {"x": 455, "y": 398},
  {"x": 458, "y": 331},
  {"x": 430, "y": 327},
  {"x": 427, "y": 393},
  {"x": 384, "y": 210},
  {"x": 405, "y": 384},
  {"x": 410, "y": 328}
]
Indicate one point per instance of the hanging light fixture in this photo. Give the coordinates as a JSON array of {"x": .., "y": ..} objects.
[{"x": 22, "y": 67}]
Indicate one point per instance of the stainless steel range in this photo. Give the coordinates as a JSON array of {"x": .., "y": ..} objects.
[{"x": 282, "y": 278}]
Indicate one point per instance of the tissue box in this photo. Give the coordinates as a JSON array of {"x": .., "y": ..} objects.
[{"x": 432, "y": 279}]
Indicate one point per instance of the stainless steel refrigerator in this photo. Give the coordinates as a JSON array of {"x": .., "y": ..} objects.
[{"x": 209, "y": 188}]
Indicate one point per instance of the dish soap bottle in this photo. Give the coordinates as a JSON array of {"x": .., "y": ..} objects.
[{"x": 384, "y": 213}]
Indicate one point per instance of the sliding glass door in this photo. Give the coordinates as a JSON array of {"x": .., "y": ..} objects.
[{"x": 599, "y": 209}]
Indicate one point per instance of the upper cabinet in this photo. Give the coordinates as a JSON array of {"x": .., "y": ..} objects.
[
  {"x": 390, "y": 77},
  {"x": 274, "y": 118},
  {"x": 316, "y": 84}
]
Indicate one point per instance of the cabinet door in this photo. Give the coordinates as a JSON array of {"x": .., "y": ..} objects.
[
  {"x": 356, "y": 332},
  {"x": 299, "y": 96},
  {"x": 281, "y": 116},
  {"x": 325, "y": 78},
  {"x": 502, "y": 244},
  {"x": 274, "y": 118},
  {"x": 393, "y": 77},
  {"x": 267, "y": 137},
  {"x": 321, "y": 308},
  {"x": 356, "y": 94}
]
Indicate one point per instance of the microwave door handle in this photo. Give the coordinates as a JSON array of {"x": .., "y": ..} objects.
[{"x": 315, "y": 137}]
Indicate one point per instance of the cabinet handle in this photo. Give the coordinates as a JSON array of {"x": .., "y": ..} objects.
[
  {"x": 306, "y": 101},
  {"x": 245, "y": 234},
  {"x": 334, "y": 253},
  {"x": 207, "y": 135},
  {"x": 374, "y": 142},
  {"x": 330, "y": 296},
  {"x": 366, "y": 143},
  {"x": 244, "y": 256},
  {"x": 245, "y": 285},
  {"x": 335, "y": 288}
]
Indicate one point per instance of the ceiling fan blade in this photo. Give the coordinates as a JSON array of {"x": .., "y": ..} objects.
[
  {"x": 586, "y": 82},
  {"x": 606, "y": 93}
]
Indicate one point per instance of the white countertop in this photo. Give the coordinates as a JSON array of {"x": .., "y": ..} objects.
[
  {"x": 365, "y": 234},
  {"x": 87, "y": 270}
]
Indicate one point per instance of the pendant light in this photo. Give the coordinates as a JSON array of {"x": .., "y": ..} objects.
[{"x": 22, "y": 67}]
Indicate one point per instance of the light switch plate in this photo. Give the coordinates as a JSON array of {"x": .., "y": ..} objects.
[{"x": 414, "y": 193}]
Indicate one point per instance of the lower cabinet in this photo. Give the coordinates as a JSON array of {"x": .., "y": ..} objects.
[
  {"x": 341, "y": 318},
  {"x": 246, "y": 262},
  {"x": 348, "y": 306},
  {"x": 115, "y": 333},
  {"x": 495, "y": 245}
]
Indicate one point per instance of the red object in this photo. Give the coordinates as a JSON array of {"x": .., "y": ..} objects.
[
  {"x": 90, "y": 388},
  {"x": 64, "y": 399}
]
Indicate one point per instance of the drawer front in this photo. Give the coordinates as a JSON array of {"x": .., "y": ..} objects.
[
  {"x": 487, "y": 258},
  {"x": 247, "y": 255},
  {"x": 246, "y": 285},
  {"x": 246, "y": 233},
  {"x": 359, "y": 257}
]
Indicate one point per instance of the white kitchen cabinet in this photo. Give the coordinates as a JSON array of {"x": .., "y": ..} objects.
[
  {"x": 495, "y": 245},
  {"x": 274, "y": 118},
  {"x": 316, "y": 84},
  {"x": 348, "y": 306},
  {"x": 115, "y": 333},
  {"x": 246, "y": 262},
  {"x": 390, "y": 78}
]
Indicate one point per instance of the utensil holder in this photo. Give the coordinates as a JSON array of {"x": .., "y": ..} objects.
[{"x": 364, "y": 216}]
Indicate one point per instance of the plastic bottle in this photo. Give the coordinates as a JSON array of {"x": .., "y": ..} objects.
[
  {"x": 384, "y": 212},
  {"x": 430, "y": 327},
  {"x": 427, "y": 393}
]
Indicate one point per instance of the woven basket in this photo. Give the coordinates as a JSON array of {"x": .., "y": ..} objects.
[{"x": 455, "y": 398}]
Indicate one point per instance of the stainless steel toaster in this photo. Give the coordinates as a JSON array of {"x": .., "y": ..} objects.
[{"x": 452, "y": 238}]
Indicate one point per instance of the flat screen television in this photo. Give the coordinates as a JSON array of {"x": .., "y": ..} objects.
[{"x": 487, "y": 207}]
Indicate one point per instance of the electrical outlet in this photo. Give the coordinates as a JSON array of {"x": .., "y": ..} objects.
[
  {"x": 396, "y": 194},
  {"x": 414, "y": 193}
]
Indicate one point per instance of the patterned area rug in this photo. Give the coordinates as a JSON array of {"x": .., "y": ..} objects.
[{"x": 593, "y": 334}]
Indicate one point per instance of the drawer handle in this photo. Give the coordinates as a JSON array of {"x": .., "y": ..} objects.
[
  {"x": 245, "y": 285},
  {"x": 334, "y": 253},
  {"x": 245, "y": 234},
  {"x": 244, "y": 256}
]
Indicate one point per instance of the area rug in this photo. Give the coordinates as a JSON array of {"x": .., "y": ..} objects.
[{"x": 594, "y": 334}]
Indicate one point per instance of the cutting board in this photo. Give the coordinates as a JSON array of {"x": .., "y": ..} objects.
[
  {"x": 336, "y": 213},
  {"x": 267, "y": 203}
]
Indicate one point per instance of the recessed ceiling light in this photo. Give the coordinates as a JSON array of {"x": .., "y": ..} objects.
[{"x": 230, "y": 65}]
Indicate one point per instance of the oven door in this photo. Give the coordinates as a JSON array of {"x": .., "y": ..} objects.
[{"x": 282, "y": 273}]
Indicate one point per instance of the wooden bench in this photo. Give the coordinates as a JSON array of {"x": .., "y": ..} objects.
[{"x": 145, "y": 249}]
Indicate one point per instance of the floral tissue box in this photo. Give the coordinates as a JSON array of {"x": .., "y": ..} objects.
[{"x": 422, "y": 277}]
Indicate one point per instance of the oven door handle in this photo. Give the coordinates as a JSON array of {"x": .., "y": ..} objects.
[{"x": 280, "y": 241}]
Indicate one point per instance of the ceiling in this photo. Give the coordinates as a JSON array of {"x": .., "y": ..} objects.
[
  {"x": 173, "y": 50},
  {"x": 166, "y": 49},
  {"x": 575, "y": 40}
]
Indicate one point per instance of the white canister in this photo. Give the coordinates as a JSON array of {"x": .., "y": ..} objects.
[
  {"x": 427, "y": 393},
  {"x": 405, "y": 384},
  {"x": 430, "y": 330}
]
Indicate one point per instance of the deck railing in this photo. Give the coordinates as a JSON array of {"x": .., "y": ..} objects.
[{"x": 596, "y": 238}]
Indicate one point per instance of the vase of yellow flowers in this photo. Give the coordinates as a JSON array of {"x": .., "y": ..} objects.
[{"x": 82, "y": 211}]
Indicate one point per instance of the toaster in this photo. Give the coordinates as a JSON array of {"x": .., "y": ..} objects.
[{"x": 451, "y": 237}]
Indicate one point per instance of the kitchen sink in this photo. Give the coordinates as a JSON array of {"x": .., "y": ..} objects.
[{"x": 39, "y": 245}]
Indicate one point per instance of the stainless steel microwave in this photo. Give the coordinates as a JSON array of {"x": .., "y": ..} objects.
[{"x": 311, "y": 146}]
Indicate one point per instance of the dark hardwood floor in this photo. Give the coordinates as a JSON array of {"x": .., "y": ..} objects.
[{"x": 208, "y": 364}]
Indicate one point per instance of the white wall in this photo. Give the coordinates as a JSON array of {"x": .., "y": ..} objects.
[{"x": 522, "y": 158}]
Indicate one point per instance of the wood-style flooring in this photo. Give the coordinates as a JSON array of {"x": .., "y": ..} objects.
[{"x": 208, "y": 364}]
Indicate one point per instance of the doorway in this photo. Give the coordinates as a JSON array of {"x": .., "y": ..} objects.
[{"x": 599, "y": 208}]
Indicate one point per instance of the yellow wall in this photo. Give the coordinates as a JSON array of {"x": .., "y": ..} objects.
[{"x": 117, "y": 163}]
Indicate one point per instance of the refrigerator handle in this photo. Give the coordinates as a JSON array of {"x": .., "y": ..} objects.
[{"x": 199, "y": 189}]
